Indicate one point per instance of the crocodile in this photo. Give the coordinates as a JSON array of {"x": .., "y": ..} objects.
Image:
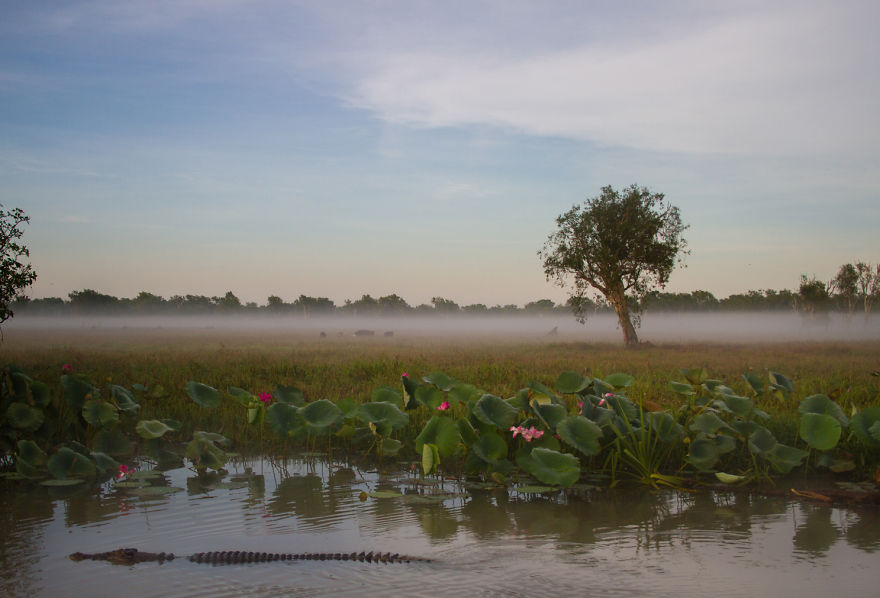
[{"x": 132, "y": 556}]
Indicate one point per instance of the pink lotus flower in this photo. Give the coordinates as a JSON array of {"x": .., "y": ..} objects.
[
  {"x": 265, "y": 397},
  {"x": 443, "y": 406},
  {"x": 66, "y": 368},
  {"x": 123, "y": 470},
  {"x": 528, "y": 434},
  {"x": 404, "y": 375},
  {"x": 607, "y": 395}
]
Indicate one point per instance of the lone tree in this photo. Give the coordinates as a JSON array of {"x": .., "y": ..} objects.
[
  {"x": 14, "y": 275},
  {"x": 622, "y": 245}
]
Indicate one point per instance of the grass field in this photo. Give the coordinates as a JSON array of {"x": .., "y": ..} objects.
[{"x": 351, "y": 367}]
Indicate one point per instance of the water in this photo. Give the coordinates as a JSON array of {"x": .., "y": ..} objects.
[{"x": 484, "y": 542}]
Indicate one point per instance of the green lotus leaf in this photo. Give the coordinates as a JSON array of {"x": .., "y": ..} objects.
[
  {"x": 785, "y": 458},
  {"x": 781, "y": 382},
  {"x": 384, "y": 494},
  {"x": 204, "y": 395},
  {"x": 570, "y": 382},
  {"x": 822, "y": 404},
  {"x": 440, "y": 380},
  {"x": 708, "y": 423},
  {"x": 104, "y": 462},
  {"x": 820, "y": 431},
  {"x": 349, "y": 407},
  {"x": 549, "y": 415},
  {"x": 76, "y": 390},
  {"x": 467, "y": 432},
  {"x": 40, "y": 394},
  {"x": 67, "y": 463},
  {"x": 152, "y": 428},
  {"x": 695, "y": 376},
  {"x": 490, "y": 447},
  {"x": 663, "y": 426},
  {"x": 535, "y": 489},
  {"x": 495, "y": 411},
  {"x": 62, "y": 482},
  {"x": 24, "y": 417},
  {"x": 865, "y": 425},
  {"x": 112, "y": 442},
  {"x": 442, "y": 432},
  {"x": 754, "y": 382},
  {"x": 320, "y": 415},
  {"x": 283, "y": 418},
  {"x": 729, "y": 478},
  {"x": 703, "y": 454},
  {"x": 390, "y": 447},
  {"x": 386, "y": 394},
  {"x": 429, "y": 396},
  {"x": 430, "y": 458},
  {"x": 580, "y": 433},
  {"x": 100, "y": 413},
  {"x": 681, "y": 388},
  {"x": 741, "y": 406},
  {"x": 241, "y": 395},
  {"x": 761, "y": 440},
  {"x": 619, "y": 380},
  {"x": 204, "y": 454},
  {"x": 538, "y": 388},
  {"x": 386, "y": 417},
  {"x": 549, "y": 466},
  {"x": 289, "y": 394},
  {"x": 29, "y": 451},
  {"x": 124, "y": 399},
  {"x": 463, "y": 393}
]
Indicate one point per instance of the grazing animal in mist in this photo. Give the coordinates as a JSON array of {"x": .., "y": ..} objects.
[
  {"x": 364, "y": 332},
  {"x": 323, "y": 334},
  {"x": 554, "y": 332},
  {"x": 389, "y": 333}
]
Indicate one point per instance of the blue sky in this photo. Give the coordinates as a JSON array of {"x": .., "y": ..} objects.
[{"x": 425, "y": 148}]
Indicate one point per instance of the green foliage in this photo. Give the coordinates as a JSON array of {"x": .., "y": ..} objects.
[
  {"x": 14, "y": 275},
  {"x": 621, "y": 245}
]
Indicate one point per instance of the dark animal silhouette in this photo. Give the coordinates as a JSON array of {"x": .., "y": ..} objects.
[{"x": 132, "y": 556}]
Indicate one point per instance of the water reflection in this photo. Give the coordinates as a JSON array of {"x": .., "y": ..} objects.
[{"x": 571, "y": 538}]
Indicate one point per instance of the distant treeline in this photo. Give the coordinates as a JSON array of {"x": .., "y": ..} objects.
[{"x": 812, "y": 297}]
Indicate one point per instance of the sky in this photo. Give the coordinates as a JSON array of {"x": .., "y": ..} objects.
[{"x": 336, "y": 148}]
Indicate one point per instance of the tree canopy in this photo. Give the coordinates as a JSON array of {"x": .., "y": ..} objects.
[
  {"x": 620, "y": 244},
  {"x": 14, "y": 275}
]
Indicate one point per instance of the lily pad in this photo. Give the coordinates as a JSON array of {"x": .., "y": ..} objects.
[
  {"x": 385, "y": 494},
  {"x": 64, "y": 482},
  {"x": 534, "y": 489}
]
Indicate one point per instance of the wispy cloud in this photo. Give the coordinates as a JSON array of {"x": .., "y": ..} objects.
[{"x": 796, "y": 80}]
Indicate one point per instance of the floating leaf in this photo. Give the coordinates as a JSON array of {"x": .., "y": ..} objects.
[
  {"x": 204, "y": 395},
  {"x": 62, "y": 482},
  {"x": 67, "y": 463},
  {"x": 384, "y": 494},
  {"x": 550, "y": 467},
  {"x": 729, "y": 478},
  {"x": 534, "y": 489}
]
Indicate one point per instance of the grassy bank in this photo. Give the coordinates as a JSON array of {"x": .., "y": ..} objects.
[{"x": 337, "y": 368}]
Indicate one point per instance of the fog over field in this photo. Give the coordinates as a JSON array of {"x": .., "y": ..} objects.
[{"x": 739, "y": 327}]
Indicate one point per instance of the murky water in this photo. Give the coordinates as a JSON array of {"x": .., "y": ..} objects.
[{"x": 584, "y": 542}]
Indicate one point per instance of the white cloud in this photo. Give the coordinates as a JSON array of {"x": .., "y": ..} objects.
[{"x": 783, "y": 81}]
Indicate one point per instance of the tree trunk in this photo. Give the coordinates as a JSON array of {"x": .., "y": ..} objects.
[{"x": 618, "y": 302}]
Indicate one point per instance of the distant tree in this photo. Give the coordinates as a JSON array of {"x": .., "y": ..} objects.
[
  {"x": 475, "y": 308},
  {"x": 392, "y": 304},
  {"x": 813, "y": 296},
  {"x": 148, "y": 302},
  {"x": 621, "y": 245},
  {"x": 845, "y": 286},
  {"x": 541, "y": 306},
  {"x": 89, "y": 301},
  {"x": 868, "y": 284},
  {"x": 275, "y": 303},
  {"x": 229, "y": 302},
  {"x": 310, "y": 306},
  {"x": 445, "y": 306},
  {"x": 14, "y": 274}
]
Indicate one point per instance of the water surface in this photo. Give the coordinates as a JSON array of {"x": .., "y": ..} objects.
[{"x": 484, "y": 542}]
